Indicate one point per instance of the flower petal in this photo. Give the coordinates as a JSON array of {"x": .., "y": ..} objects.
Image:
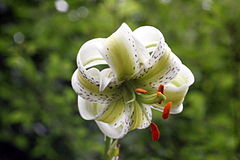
[
  {"x": 111, "y": 131},
  {"x": 89, "y": 57},
  {"x": 105, "y": 78},
  {"x": 176, "y": 90},
  {"x": 119, "y": 130},
  {"x": 163, "y": 67},
  {"x": 90, "y": 91},
  {"x": 89, "y": 110},
  {"x": 149, "y": 36},
  {"x": 137, "y": 116},
  {"x": 141, "y": 116},
  {"x": 142, "y": 52},
  {"x": 120, "y": 51},
  {"x": 146, "y": 117},
  {"x": 113, "y": 112}
]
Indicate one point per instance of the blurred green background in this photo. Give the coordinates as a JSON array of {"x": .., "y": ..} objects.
[{"x": 39, "y": 41}]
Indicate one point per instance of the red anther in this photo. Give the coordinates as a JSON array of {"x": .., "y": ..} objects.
[
  {"x": 161, "y": 88},
  {"x": 166, "y": 110},
  {"x": 155, "y": 132},
  {"x": 140, "y": 90}
]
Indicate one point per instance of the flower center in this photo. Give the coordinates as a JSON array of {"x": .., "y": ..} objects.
[{"x": 147, "y": 97}]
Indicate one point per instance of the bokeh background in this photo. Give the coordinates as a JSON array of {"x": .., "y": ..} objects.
[{"x": 39, "y": 41}]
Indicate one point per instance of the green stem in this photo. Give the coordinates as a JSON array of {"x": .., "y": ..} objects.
[
  {"x": 107, "y": 146},
  {"x": 111, "y": 149}
]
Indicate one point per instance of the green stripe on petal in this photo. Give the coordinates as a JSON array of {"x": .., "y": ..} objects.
[
  {"x": 146, "y": 117},
  {"x": 165, "y": 68},
  {"x": 98, "y": 64},
  {"x": 137, "y": 116},
  {"x": 113, "y": 112},
  {"x": 120, "y": 51},
  {"x": 120, "y": 127},
  {"x": 90, "y": 91}
]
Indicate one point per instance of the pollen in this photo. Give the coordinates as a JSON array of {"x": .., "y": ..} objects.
[
  {"x": 140, "y": 90},
  {"x": 155, "y": 132},
  {"x": 161, "y": 88},
  {"x": 166, "y": 110}
]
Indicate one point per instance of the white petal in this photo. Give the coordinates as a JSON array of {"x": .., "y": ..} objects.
[
  {"x": 94, "y": 63},
  {"x": 121, "y": 53},
  {"x": 119, "y": 130},
  {"x": 148, "y": 35},
  {"x": 142, "y": 52},
  {"x": 175, "y": 110},
  {"x": 89, "y": 56},
  {"x": 89, "y": 110},
  {"x": 90, "y": 91},
  {"x": 163, "y": 67},
  {"x": 111, "y": 131},
  {"x": 105, "y": 78}
]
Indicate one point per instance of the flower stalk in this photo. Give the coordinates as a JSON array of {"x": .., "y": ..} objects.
[{"x": 111, "y": 149}]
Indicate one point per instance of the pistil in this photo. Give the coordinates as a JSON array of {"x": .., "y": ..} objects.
[{"x": 153, "y": 98}]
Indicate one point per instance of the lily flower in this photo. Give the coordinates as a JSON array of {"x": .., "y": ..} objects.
[{"x": 119, "y": 80}]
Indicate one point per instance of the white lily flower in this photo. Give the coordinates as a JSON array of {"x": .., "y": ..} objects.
[{"x": 118, "y": 79}]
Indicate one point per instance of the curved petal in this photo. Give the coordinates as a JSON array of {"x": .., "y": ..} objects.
[
  {"x": 137, "y": 116},
  {"x": 121, "y": 52},
  {"x": 90, "y": 91},
  {"x": 105, "y": 78},
  {"x": 149, "y": 36},
  {"x": 142, "y": 52},
  {"x": 111, "y": 131},
  {"x": 141, "y": 116},
  {"x": 176, "y": 90},
  {"x": 113, "y": 119},
  {"x": 119, "y": 130},
  {"x": 89, "y": 110},
  {"x": 89, "y": 57},
  {"x": 113, "y": 112},
  {"x": 163, "y": 67}
]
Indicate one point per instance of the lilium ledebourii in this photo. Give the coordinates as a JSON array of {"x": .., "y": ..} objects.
[{"x": 119, "y": 80}]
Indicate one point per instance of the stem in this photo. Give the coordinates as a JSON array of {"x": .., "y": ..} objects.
[
  {"x": 111, "y": 149},
  {"x": 107, "y": 146}
]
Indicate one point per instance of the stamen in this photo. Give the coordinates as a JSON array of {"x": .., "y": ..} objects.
[
  {"x": 160, "y": 94},
  {"x": 155, "y": 132},
  {"x": 166, "y": 110},
  {"x": 161, "y": 88},
  {"x": 140, "y": 90}
]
